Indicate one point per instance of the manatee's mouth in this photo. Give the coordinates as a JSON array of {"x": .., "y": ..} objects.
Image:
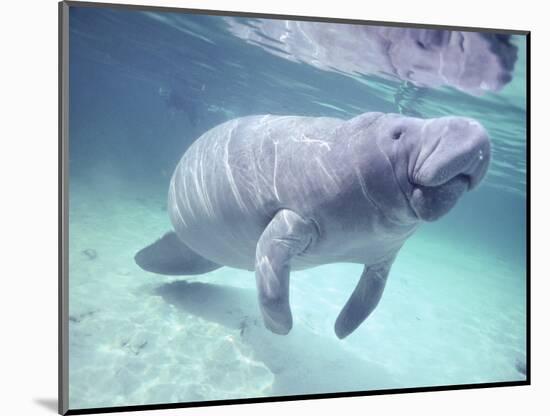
[
  {"x": 432, "y": 202},
  {"x": 464, "y": 178},
  {"x": 441, "y": 167},
  {"x": 453, "y": 157}
]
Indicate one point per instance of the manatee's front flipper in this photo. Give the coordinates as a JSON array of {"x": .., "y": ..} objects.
[
  {"x": 168, "y": 255},
  {"x": 287, "y": 235},
  {"x": 364, "y": 298}
]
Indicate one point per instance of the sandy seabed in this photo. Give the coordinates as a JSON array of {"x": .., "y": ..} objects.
[{"x": 449, "y": 315}]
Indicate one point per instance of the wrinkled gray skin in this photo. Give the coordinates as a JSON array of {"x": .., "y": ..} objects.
[
  {"x": 280, "y": 193},
  {"x": 472, "y": 62}
]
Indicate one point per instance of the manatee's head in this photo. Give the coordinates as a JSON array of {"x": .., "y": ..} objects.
[
  {"x": 434, "y": 161},
  {"x": 469, "y": 61}
]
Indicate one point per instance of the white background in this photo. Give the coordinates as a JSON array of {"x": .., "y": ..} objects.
[{"x": 28, "y": 220}]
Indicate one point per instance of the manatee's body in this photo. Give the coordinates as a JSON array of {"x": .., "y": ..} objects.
[
  {"x": 236, "y": 177},
  {"x": 275, "y": 193}
]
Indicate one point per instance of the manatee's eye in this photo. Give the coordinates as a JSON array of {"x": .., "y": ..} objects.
[{"x": 397, "y": 135}]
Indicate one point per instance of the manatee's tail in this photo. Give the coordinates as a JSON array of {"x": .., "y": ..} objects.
[{"x": 168, "y": 255}]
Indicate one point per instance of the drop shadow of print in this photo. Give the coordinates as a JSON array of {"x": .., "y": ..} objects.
[{"x": 47, "y": 403}]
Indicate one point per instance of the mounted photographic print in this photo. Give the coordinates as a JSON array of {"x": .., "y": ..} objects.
[{"x": 264, "y": 207}]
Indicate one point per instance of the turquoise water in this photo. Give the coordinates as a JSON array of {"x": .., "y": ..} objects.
[{"x": 143, "y": 87}]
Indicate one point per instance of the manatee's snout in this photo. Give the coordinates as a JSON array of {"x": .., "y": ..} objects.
[
  {"x": 454, "y": 157},
  {"x": 451, "y": 148}
]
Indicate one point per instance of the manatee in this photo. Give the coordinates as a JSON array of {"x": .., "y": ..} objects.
[
  {"x": 272, "y": 194},
  {"x": 472, "y": 62}
]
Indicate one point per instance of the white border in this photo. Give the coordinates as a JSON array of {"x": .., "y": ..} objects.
[{"x": 28, "y": 172}]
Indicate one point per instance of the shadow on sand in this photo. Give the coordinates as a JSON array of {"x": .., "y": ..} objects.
[{"x": 302, "y": 362}]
